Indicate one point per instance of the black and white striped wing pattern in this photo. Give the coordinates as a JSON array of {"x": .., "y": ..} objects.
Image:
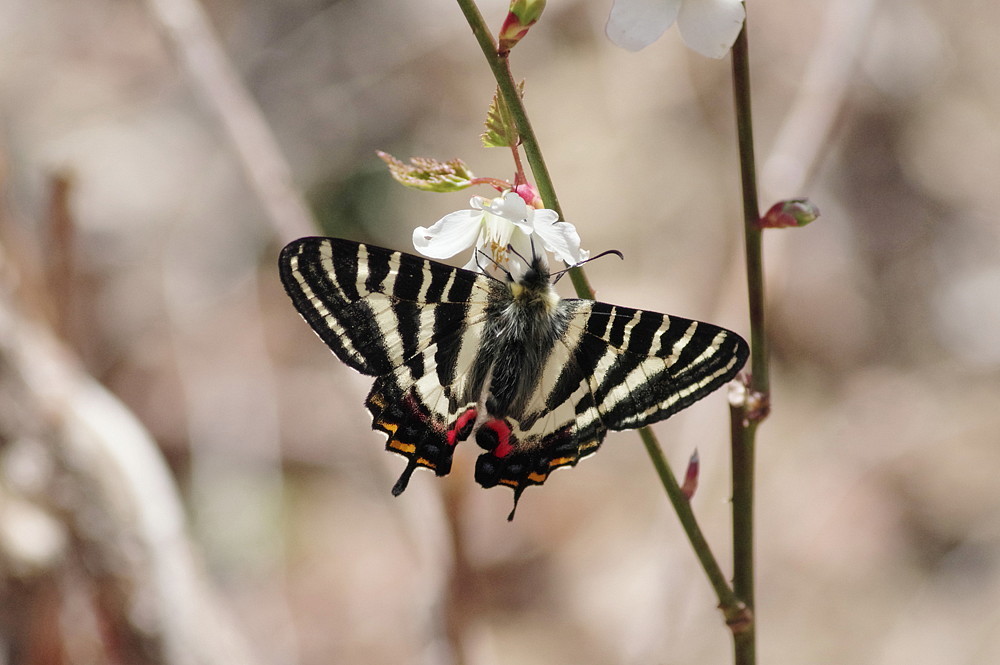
[
  {"x": 644, "y": 366},
  {"x": 614, "y": 368},
  {"x": 412, "y": 323},
  {"x": 536, "y": 381}
]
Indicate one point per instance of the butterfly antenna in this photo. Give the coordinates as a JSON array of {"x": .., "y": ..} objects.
[
  {"x": 559, "y": 273},
  {"x": 518, "y": 254},
  {"x": 493, "y": 261}
]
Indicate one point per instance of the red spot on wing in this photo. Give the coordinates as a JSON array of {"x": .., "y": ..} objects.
[
  {"x": 502, "y": 431},
  {"x": 462, "y": 427}
]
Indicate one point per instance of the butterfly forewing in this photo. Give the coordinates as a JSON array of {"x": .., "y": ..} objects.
[
  {"x": 647, "y": 366},
  {"x": 435, "y": 337}
]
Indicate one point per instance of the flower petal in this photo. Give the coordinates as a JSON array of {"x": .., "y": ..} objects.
[
  {"x": 474, "y": 264},
  {"x": 521, "y": 246},
  {"x": 711, "y": 26},
  {"x": 496, "y": 235},
  {"x": 449, "y": 235},
  {"x": 635, "y": 24},
  {"x": 511, "y": 207},
  {"x": 560, "y": 238}
]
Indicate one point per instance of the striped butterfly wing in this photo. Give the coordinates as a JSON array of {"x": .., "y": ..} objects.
[
  {"x": 647, "y": 366},
  {"x": 413, "y": 324},
  {"x": 614, "y": 368},
  {"x": 417, "y": 326}
]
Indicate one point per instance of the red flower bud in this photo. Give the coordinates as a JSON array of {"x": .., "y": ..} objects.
[
  {"x": 791, "y": 212},
  {"x": 520, "y": 17},
  {"x": 690, "y": 485}
]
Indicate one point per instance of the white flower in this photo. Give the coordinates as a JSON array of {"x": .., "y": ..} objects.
[
  {"x": 506, "y": 229},
  {"x": 707, "y": 26}
]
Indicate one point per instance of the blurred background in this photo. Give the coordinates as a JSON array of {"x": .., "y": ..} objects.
[{"x": 187, "y": 475}]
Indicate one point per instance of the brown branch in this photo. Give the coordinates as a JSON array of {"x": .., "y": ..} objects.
[
  {"x": 190, "y": 35},
  {"x": 117, "y": 500},
  {"x": 806, "y": 129}
]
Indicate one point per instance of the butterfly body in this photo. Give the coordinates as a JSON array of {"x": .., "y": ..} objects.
[
  {"x": 535, "y": 380},
  {"x": 523, "y": 322}
]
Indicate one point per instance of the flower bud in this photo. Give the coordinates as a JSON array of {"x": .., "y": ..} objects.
[
  {"x": 529, "y": 194},
  {"x": 791, "y": 212},
  {"x": 520, "y": 17},
  {"x": 690, "y": 485}
]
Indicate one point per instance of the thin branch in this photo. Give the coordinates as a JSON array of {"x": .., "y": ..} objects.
[
  {"x": 191, "y": 37},
  {"x": 751, "y": 213},
  {"x": 743, "y": 423},
  {"x": 807, "y": 127},
  {"x": 118, "y": 474},
  {"x": 500, "y": 65},
  {"x": 732, "y": 608},
  {"x": 728, "y": 602}
]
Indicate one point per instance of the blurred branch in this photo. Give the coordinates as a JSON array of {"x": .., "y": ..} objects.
[
  {"x": 61, "y": 268},
  {"x": 106, "y": 522},
  {"x": 119, "y": 479},
  {"x": 211, "y": 412},
  {"x": 190, "y": 35},
  {"x": 807, "y": 127}
]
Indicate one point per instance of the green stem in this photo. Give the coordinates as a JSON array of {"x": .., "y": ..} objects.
[
  {"x": 751, "y": 214},
  {"x": 728, "y": 601},
  {"x": 500, "y": 66},
  {"x": 742, "y": 432},
  {"x": 733, "y": 610},
  {"x": 745, "y": 418}
]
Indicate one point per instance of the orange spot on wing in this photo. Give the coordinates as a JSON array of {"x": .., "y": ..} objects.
[{"x": 408, "y": 448}]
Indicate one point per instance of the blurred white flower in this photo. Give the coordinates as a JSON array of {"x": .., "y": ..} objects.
[
  {"x": 707, "y": 26},
  {"x": 506, "y": 229}
]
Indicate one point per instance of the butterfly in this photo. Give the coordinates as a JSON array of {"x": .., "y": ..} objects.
[{"x": 536, "y": 380}]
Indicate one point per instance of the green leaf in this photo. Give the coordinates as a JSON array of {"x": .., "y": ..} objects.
[
  {"x": 501, "y": 130},
  {"x": 428, "y": 174}
]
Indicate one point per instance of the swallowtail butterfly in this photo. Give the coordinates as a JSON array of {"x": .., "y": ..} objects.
[{"x": 535, "y": 380}]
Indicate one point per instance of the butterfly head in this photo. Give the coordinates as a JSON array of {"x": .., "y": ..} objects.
[{"x": 534, "y": 287}]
